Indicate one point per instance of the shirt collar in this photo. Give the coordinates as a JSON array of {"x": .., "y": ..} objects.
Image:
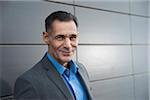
[
  {"x": 60, "y": 68},
  {"x": 73, "y": 67}
]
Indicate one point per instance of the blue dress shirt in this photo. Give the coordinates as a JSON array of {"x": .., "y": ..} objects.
[{"x": 71, "y": 77}]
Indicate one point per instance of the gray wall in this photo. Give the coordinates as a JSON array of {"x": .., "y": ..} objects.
[{"x": 113, "y": 43}]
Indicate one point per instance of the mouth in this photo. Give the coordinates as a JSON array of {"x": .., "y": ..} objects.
[{"x": 66, "y": 53}]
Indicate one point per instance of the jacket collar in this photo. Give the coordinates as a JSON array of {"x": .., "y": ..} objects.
[
  {"x": 57, "y": 78},
  {"x": 85, "y": 80}
]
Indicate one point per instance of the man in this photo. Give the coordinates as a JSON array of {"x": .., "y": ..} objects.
[{"x": 56, "y": 76}]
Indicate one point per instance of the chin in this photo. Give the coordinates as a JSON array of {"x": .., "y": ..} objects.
[{"x": 66, "y": 59}]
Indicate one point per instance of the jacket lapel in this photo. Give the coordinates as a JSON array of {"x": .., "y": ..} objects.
[
  {"x": 85, "y": 81},
  {"x": 58, "y": 80}
]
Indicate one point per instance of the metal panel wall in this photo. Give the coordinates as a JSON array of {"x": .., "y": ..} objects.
[
  {"x": 102, "y": 27},
  {"x": 110, "y": 5},
  {"x": 113, "y": 43},
  {"x": 139, "y": 7},
  {"x": 25, "y": 20}
]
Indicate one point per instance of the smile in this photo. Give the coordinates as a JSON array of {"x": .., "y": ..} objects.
[{"x": 65, "y": 53}]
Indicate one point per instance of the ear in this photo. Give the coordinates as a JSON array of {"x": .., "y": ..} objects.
[{"x": 45, "y": 37}]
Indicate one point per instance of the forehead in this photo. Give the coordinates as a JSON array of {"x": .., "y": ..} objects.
[{"x": 64, "y": 26}]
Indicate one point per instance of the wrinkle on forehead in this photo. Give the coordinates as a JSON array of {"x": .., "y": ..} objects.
[{"x": 59, "y": 26}]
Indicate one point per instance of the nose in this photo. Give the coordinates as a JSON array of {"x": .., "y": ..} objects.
[{"x": 67, "y": 43}]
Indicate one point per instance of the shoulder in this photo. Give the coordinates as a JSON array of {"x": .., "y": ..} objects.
[
  {"x": 24, "y": 87},
  {"x": 29, "y": 75},
  {"x": 27, "y": 83},
  {"x": 34, "y": 71}
]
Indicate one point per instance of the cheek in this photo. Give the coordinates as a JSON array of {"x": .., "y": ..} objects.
[
  {"x": 55, "y": 46},
  {"x": 58, "y": 46},
  {"x": 75, "y": 45}
]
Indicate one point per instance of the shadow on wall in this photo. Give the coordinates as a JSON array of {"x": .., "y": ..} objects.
[{"x": 5, "y": 90}]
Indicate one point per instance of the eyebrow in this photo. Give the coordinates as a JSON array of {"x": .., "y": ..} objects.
[
  {"x": 73, "y": 35},
  {"x": 65, "y": 34}
]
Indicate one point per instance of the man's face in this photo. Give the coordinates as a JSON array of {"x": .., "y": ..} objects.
[{"x": 63, "y": 40}]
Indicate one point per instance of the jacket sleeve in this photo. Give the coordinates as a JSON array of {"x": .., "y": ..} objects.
[{"x": 24, "y": 90}]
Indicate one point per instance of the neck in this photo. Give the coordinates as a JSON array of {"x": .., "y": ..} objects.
[{"x": 65, "y": 64}]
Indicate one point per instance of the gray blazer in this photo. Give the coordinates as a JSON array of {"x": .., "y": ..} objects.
[{"x": 43, "y": 82}]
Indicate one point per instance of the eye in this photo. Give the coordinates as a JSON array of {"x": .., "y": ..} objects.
[
  {"x": 73, "y": 37},
  {"x": 60, "y": 37}
]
